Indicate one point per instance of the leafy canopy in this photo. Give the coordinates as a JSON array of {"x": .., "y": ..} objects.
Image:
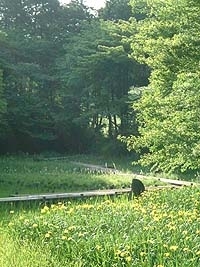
[{"x": 168, "y": 41}]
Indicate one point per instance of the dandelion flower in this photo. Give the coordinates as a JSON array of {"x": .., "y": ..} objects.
[
  {"x": 123, "y": 254},
  {"x": 118, "y": 252},
  {"x": 128, "y": 259},
  {"x": 98, "y": 247},
  {"x": 70, "y": 228},
  {"x": 80, "y": 234},
  {"x": 142, "y": 253},
  {"x": 167, "y": 254},
  {"x": 47, "y": 235},
  {"x": 45, "y": 210},
  {"x": 26, "y": 221},
  {"x": 70, "y": 211},
  {"x": 173, "y": 248}
]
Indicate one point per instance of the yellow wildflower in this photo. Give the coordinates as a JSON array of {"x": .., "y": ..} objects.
[
  {"x": 128, "y": 259},
  {"x": 70, "y": 210},
  {"x": 142, "y": 253},
  {"x": 26, "y": 221},
  {"x": 70, "y": 228},
  {"x": 123, "y": 254},
  {"x": 45, "y": 210},
  {"x": 62, "y": 207},
  {"x": 174, "y": 248},
  {"x": 81, "y": 234},
  {"x": 48, "y": 234},
  {"x": 118, "y": 252},
  {"x": 98, "y": 247},
  {"x": 184, "y": 232}
]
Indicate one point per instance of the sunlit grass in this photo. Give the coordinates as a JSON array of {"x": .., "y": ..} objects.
[
  {"x": 25, "y": 175},
  {"x": 160, "y": 228},
  {"x": 18, "y": 253}
]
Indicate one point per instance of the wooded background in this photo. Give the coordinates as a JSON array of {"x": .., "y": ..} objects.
[{"x": 76, "y": 80}]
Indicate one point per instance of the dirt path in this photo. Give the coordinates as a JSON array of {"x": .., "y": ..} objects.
[
  {"x": 97, "y": 167},
  {"x": 138, "y": 176}
]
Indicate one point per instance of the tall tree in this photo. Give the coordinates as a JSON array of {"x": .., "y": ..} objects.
[
  {"x": 2, "y": 97},
  {"x": 36, "y": 31},
  {"x": 168, "y": 41},
  {"x": 101, "y": 76},
  {"x": 115, "y": 10}
]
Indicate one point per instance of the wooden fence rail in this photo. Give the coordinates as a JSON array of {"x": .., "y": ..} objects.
[
  {"x": 93, "y": 193},
  {"x": 84, "y": 194}
]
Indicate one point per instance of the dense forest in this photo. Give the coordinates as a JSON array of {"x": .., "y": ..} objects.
[{"x": 77, "y": 80}]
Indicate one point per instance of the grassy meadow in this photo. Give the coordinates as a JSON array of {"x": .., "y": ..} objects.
[
  {"x": 34, "y": 175},
  {"x": 159, "y": 229}
]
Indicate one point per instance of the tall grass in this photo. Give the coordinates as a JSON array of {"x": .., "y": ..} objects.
[
  {"x": 25, "y": 175},
  {"x": 159, "y": 229},
  {"x": 15, "y": 253}
]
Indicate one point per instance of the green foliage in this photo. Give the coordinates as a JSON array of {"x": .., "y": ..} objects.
[
  {"x": 3, "y": 106},
  {"x": 168, "y": 111},
  {"x": 2, "y": 95},
  {"x": 23, "y": 255},
  {"x": 2, "y": 98},
  {"x": 116, "y": 10},
  {"x": 101, "y": 75},
  {"x": 66, "y": 75},
  {"x": 159, "y": 229},
  {"x": 36, "y": 32}
]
